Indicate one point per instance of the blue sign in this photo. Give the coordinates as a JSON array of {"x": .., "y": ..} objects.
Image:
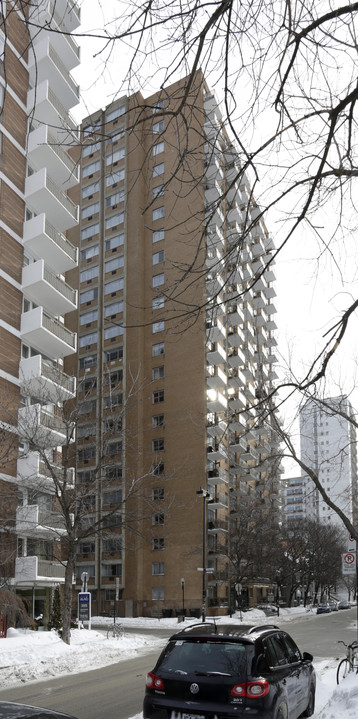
[{"x": 84, "y": 606}]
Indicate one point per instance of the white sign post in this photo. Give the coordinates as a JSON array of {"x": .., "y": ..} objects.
[{"x": 349, "y": 563}]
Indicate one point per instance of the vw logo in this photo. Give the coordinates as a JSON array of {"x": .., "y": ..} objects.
[{"x": 194, "y": 688}]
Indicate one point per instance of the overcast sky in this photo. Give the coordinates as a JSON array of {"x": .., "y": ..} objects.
[{"x": 308, "y": 301}]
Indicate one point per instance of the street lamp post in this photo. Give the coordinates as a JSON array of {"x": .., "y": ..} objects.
[
  {"x": 205, "y": 495},
  {"x": 182, "y": 582}
]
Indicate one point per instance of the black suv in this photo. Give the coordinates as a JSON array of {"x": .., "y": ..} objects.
[{"x": 228, "y": 672}]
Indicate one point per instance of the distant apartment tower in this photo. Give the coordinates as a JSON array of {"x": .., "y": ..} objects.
[
  {"x": 328, "y": 446},
  {"x": 176, "y": 344},
  {"x": 36, "y": 91}
]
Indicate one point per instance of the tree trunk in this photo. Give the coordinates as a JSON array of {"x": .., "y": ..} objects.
[{"x": 67, "y": 597}]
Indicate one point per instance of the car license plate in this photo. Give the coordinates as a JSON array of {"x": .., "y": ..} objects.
[{"x": 179, "y": 715}]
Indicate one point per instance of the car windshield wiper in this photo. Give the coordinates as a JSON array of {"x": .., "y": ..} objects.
[{"x": 212, "y": 674}]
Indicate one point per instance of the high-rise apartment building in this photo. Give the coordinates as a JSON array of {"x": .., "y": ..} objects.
[
  {"x": 175, "y": 348},
  {"x": 36, "y": 172},
  {"x": 328, "y": 445}
]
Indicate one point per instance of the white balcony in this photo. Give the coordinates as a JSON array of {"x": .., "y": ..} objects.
[
  {"x": 44, "y": 106},
  {"x": 45, "y": 150},
  {"x": 237, "y": 358},
  {"x": 216, "y": 379},
  {"x": 65, "y": 45},
  {"x": 36, "y": 521},
  {"x": 45, "y": 242},
  {"x": 46, "y": 334},
  {"x": 216, "y": 451},
  {"x": 68, "y": 11},
  {"x": 216, "y": 402},
  {"x": 42, "y": 287},
  {"x": 216, "y": 429},
  {"x": 43, "y": 428},
  {"x": 40, "y": 378},
  {"x": 217, "y": 476},
  {"x": 216, "y": 356},
  {"x": 220, "y": 501},
  {"x": 216, "y": 333},
  {"x": 236, "y": 337},
  {"x": 235, "y": 316},
  {"x": 34, "y": 473},
  {"x": 29, "y": 570},
  {"x": 41, "y": 192},
  {"x": 237, "y": 401},
  {"x": 46, "y": 64}
]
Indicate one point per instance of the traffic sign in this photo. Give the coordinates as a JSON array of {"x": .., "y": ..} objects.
[
  {"x": 351, "y": 544},
  {"x": 349, "y": 563}
]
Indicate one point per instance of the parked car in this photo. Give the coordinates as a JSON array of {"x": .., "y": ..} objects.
[
  {"x": 230, "y": 671},
  {"x": 343, "y": 604},
  {"x": 269, "y": 609},
  {"x": 11, "y": 710},
  {"x": 323, "y": 609},
  {"x": 333, "y": 604}
]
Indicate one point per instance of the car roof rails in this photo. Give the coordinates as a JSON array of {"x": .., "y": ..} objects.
[
  {"x": 200, "y": 628},
  {"x": 261, "y": 628}
]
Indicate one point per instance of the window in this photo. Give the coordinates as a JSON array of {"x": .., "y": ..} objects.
[
  {"x": 110, "y": 332},
  {"x": 89, "y": 274},
  {"x": 159, "y": 105},
  {"x": 114, "y": 544},
  {"x": 158, "y": 420},
  {"x": 158, "y": 349},
  {"x": 115, "y": 199},
  {"x": 114, "y": 264},
  {"x": 114, "y": 286},
  {"x": 116, "y": 136},
  {"x": 114, "y": 448},
  {"x": 89, "y": 232},
  {"x": 158, "y": 280},
  {"x": 158, "y": 169},
  {"x": 85, "y": 430},
  {"x": 89, "y": 253},
  {"x": 115, "y": 177},
  {"x": 115, "y": 220},
  {"x": 158, "y": 519},
  {"x": 113, "y": 309},
  {"x": 91, "y": 168},
  {"x": 158, "y": 445},
  {"x": 115, "y": 157},
  {"x": 158, "y": 257},
  {"x": 86, "y": 548},
  {"x": 113, "y": 114},
  {"x": 89, "y": 339},
  {"x": 90, "y": 189},
  {"x": 111, "y": 570},
  {"x": 158, "y": 191},
  {"x": 157, "y": 494},
  {"x": 90, "y": 149},
  {"x": 157, "y": 593},
  {"x": 158, "y": 326},
  {"x": 113, "y": 354},
  {"x": 158, "y": 469},
  {"x": 158, "y": 213},
  {"x": 158, "y": 148},
  {"x": 113, "y": 379},
  {"x": 112, "y": 497},
  {"x": 84, "y": 455},
  {"x": 158, "y": 127},
  {"x": 88, "y": 317},
  {"x": 157, "y": 543},
  {"x": 89, "y": 295},
  {"x": 115, "y": 242},
  {"x": 89, "y": 361},
  {"x": 158, "y": 372},
  {"x": 85, "y": 568},
  {"x": 157, "y": 396},
  {"x": 87, "y": 384},
  {"x": 90, "y": 210},
  {"x": 113, "y": 400},
  {"x": 87, "y": 407},
  {"x": 157, "y": 567},
  {"x": 113, "y": 473},
  {"x": 157, "y": 303}
]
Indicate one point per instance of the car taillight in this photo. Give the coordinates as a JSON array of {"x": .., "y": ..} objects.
[
  {"x": 253, "y": 690},
  {"x": 154, "y": 682}
]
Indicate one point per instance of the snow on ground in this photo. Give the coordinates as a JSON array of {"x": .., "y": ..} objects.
[{"x": 27, "y": 656}]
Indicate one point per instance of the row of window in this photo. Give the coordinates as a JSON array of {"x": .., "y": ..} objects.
[
  {"x": 90, "y": 406},
  {"x": 109, "y": 310},
  {"x": 111, "y": 265},
  {"x": 109, "y": 288},
  {"x": 116, "y": 353},
  {"x": 92, "y": 337}
]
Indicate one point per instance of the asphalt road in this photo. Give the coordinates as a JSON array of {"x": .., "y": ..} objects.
[{"x": 116, "y": 692}]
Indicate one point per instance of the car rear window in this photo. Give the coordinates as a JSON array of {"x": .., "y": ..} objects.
[{"x": 204, "y": 657}]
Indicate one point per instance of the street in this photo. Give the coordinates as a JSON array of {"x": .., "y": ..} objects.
[{"x": 116, "y": 691}]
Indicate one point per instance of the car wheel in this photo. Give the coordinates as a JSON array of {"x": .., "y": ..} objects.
[
  {"x": 281, "y": 712},
  {"x": 309, "y": 711}
]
